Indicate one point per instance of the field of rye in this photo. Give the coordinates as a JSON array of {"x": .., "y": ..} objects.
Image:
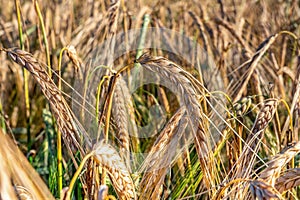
[{"x": 143, "y": 99}]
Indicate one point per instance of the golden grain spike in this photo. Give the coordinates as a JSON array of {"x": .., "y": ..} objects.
[
  {"x": 261, "y": 190},
  {"x": 276, "y": 164},
  {"x": 18, "y": 179},
  {"x": 63, "y": 114},
  {"x": 160, "y": 156},
  {"x": 183, "y": 83},
  {"x": 251, "y": 147},
  {"x": 107, "y": 157},
  {"x": 289, "y": 180}
]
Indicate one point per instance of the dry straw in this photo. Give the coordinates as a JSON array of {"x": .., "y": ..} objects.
[{"x": 18, "y": 179}]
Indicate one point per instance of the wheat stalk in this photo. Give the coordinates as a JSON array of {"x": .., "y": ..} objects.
[{"x": 18, "y": 179}]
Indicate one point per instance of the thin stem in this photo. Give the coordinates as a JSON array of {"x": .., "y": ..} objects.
[
  {"x": 88, "y": 156},
  {"x": 25, "y": 74},
  {"x": 38, "y": 11},
  {"x": 98, "y": 95},
  {"x": 59, "y": 135},
  {"x": 2, "y": 120},
  {"x": 143, "y": 36},
  {"x": 141, "y": 47}
]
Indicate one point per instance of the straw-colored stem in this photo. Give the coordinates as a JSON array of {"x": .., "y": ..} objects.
[
  {"x": 38, "y": 11},
  {"x": 98, "y": 95},
  {"x": 78, "y": 171},
  {"x": 25, "y": 74}
]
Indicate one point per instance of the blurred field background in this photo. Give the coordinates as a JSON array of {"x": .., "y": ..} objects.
[{"x": 255, "y": 47}]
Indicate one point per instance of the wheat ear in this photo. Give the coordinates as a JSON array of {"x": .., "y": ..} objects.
[
  {"x": 251, "y": 147},
  {"x": 289, "y": 180},
  {"x": 123, "y": 116},
  {"x": 65, "y": 118},
  {"x": 17, "y": 176},
  {"x": 261, "y": 191},
  {"x": 272, "y": 172},
  {"x": 188, "y": 92},
  {"x": 160, "y": 156},
  {"x": 109, "y": 159}
]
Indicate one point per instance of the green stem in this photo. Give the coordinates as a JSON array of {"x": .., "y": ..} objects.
[
  {"x": 140, "y": 48},
  {"x": 3, "y": 126},
  {"x": 59, "y": 135},
  {"x": 143, "y": 36}
]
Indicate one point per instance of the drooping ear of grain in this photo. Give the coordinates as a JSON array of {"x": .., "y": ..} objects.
[
  {"x": 275, "y": 165},
  {"x": 160, "y": 156},
  {"x": 289, "y": 180},
  {"x": 65, "y": 119},
  {"x": 107, "y": 157},
  {"x": 261, "y": 190},
  {"x": 179, "y": 82},
  {"x": 72, "y": 54},
  {"x": 253, "y": 141}
]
